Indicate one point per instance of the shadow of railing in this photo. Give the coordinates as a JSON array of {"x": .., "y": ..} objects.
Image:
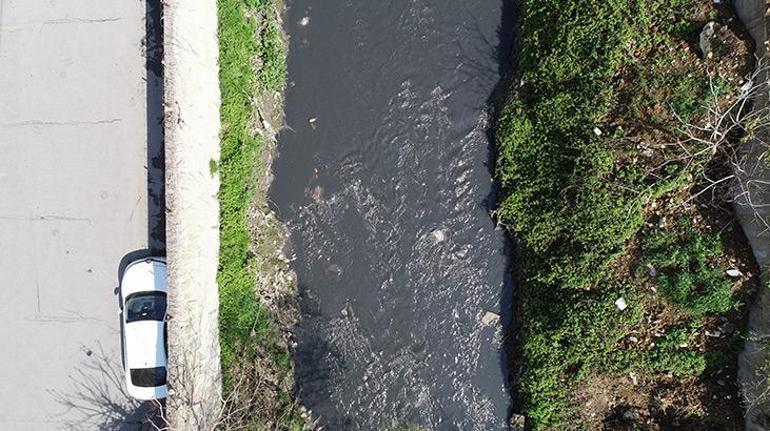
[{"x": 156, "y": 199}]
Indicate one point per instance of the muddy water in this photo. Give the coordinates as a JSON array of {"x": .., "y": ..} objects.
[{"x": 384, "y": 181}]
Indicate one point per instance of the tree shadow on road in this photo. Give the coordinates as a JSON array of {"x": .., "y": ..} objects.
[{"x": 98, "y": 399}]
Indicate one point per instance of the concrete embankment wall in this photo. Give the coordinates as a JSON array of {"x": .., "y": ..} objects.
[
  {"x": 750, "y": 209},
  {"x": 192, "y": 127}
]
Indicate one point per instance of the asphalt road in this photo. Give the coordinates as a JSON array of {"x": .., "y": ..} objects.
[{"x": 76, "y": 148}]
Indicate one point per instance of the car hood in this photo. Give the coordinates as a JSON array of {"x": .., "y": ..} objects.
[
  {"x": 143, "y": 276},
  {"x": 145, "y": 344}
]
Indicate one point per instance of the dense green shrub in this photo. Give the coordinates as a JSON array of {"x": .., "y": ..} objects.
[
  {"x": 574, "y": 197},
  {"x": 688, "y": 276}
]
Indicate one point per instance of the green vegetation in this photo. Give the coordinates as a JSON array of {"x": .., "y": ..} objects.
[
  {"x": 252, "y": 63},
  {"x": 689, "y": 279},
  {"x": 601, "y": 81},
  {"x": 574, "y": 204},
  {"x": 238, "y": 168}
]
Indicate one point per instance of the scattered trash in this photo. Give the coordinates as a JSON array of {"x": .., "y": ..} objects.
[
  {"x": 621, "y": 304},
  {"x": 597, "y": 131},
  {"x": 632, "y": 376},
  {"x": 651, "y": 271},
  {"x": 304, "y": 21},
  {"x": 518, "y": 422},
  {"x": 706, "y": 35},
  {"x": 438, "y": 235},
  {"x": 733, "y": 272},
  {"x": 743, "y": 91},
  {"x": 490, "y": 319}
]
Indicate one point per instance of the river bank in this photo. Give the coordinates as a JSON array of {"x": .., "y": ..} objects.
[
  {"x": 635, "y": 273},
  {"x": 257, "y": 287}
]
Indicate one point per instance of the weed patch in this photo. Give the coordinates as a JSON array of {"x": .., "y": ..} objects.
[
  {"x": 257, "y": 368},
  {"x": 596, "y": 180}
]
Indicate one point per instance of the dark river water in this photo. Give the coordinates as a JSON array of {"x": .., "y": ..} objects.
[{"x": 384, "y": 180}]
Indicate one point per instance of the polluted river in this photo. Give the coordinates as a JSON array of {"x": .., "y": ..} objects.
[{"x": 384, "y": 181}]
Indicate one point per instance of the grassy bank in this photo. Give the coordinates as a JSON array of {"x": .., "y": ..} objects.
[
  {"x": 599, "y": 171},
  {"x": 255, "y": 359}
]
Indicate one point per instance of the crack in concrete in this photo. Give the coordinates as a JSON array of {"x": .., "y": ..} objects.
[
  {"x": 46, "y": 218},
  {"x": 61, "y": 318},
  {"x": 60, "y": 123},
  {"x": 67, "y": 21}
]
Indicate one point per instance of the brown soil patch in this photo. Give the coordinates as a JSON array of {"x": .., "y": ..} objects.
[{"x": 640, "y": 402}]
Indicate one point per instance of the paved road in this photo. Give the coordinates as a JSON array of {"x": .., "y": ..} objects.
[{"x": 74, "y": 202}]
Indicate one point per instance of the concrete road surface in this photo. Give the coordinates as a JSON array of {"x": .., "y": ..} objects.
[{"x": 76, "y": 151}]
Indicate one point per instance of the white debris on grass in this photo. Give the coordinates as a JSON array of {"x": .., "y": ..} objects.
[{"x": 621, "y": 303}]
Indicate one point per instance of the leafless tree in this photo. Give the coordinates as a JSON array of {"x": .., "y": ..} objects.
[
  {"x": 736, "y": 132},
  {"x": 735, "y": 127},
  {"x": 246, "y": 399}
]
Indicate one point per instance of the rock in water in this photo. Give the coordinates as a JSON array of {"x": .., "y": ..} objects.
[
  {"x": 438, "y": 235},
  {"x": 490, "y": 319}
]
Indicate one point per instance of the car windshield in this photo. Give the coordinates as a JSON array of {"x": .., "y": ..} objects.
[
  {"x": 148, "y": 377},
  {"x": 146, "y": 306}
]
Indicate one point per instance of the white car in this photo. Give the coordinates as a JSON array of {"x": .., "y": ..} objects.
[{"x": 143, "y": 311}]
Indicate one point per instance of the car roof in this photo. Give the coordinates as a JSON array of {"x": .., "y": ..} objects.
[{"x": 145, "y": 344}]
